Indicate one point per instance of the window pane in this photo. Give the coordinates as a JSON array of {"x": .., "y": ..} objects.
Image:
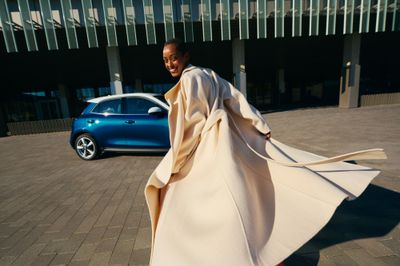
[
  {"x": 381, "y": 10},
  {"x": 69, "y": 23},
  {"x": 27, "y": 24},
  {"x": 130, "y": 24},
  {"x": 396, "y": 16},
  {"x": 331, "y": 17},
  {"x": 109, "y": 107},
  {"x": 225, "y": 20},
  {"x": 138, "y": 105},
  {"x": 149, "y": 21},
  {"x": 243, "y": 19},
  {"x": 365, "y": 9},
  {"x": 48, "y": 24},
  {"x": 8, "y": 32},
  {"x": 279, "y": 18},
  {"x": 314, "y": 17},
  {"x": 168, "y": 20},
  {"x": 90, "y": 23},
  {"x": 206, "y": 20},
  {"x": 110, "y": 19},
  {"x": 187, "y": 20},
  {"x": 348, "y": 16},
  {"x": 297, "y": 11}
]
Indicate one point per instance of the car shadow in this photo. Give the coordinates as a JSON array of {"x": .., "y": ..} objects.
[
  {"x": 107, "y": 155},
  {"x": 375, "y": 213}
]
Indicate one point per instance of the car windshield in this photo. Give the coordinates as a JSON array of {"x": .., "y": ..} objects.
[
  {"x": 161, "y": 98},
  {"x": 87, "y": 106}
]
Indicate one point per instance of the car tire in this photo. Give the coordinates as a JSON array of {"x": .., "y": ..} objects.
[{"x": 86, "y": 147}]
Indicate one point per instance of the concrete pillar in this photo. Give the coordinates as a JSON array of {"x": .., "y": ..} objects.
[
  {"x": 64, "y": 101},
  {"x": 114, "y": 68},
  {"x": 280, "y": 77},
  {"x": 3, "y": 127},
  {"x": 138, "y": 85},
  {"x": 350, "y": 78},
  {"x": 281, "y": 80},
  {"x": 239, "y": 67}
]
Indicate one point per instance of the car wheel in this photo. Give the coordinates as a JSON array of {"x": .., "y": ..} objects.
[{"x": 86, "y": 147}]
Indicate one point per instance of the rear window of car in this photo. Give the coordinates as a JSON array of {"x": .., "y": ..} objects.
[
  {"x": 161, "y": 98},
  {"x": 109, "y": 107},
  {"x": 135, "y": 105}
]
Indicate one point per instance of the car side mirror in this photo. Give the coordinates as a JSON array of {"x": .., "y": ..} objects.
[{"x": 155, "y": 111}]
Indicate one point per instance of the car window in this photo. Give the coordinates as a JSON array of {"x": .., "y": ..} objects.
[
  {"x": 136, "y": 105},
  {"x": 161, "y": 98},
  {"x": 110, "y": 107}
]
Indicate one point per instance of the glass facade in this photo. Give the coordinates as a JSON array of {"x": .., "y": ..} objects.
[
  {"x": 48, "y": 24},
  {"x": 93, "y": 17},
  {"x": 69, "y": 24},
  {"x": 110, "y": 21},
  {"x": 186, "y": 9},
  {"x": 7, "y": 27},
  {"x": 130, "y": 21},
  {"x": 27, "y": 24},
  {"x": 90, "y": 23}
]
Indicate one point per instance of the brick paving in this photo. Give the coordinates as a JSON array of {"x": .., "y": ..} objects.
[{"x": 56, "y": 209}]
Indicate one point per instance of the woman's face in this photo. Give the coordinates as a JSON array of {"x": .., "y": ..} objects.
[{"x": 174, "y": 61}]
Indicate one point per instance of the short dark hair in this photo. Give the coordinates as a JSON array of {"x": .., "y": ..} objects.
[{"x": 180, "y": 46}]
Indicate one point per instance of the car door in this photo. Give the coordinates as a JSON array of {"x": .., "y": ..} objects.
[
  {"x": 144, "y": 130},
  {"x": 107, "y": 123}
]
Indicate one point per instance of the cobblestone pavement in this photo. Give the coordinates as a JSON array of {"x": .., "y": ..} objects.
[{"x": 56, "y": 209}]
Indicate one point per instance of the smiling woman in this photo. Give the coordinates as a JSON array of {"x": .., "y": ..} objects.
[
  {"x": 176, "y": 57},
  {"x": 228, "y": 194}
]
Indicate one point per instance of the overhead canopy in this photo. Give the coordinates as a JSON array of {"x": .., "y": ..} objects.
[{"x": 217, "y": 20}]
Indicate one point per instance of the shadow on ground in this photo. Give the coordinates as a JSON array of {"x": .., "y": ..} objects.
[
  {"x": 375, "y": 213},
  {"x": 107, "y": 155}
]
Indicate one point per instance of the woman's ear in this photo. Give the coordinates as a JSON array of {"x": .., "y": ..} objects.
[{"x": 186, "y": 56}]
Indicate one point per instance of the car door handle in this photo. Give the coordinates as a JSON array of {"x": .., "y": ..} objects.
[
  {"x": 130, "y": 121},
  {"x": 91, "y": 121}
]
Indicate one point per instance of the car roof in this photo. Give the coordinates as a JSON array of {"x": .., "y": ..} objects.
[{"x": 116, "y": 96}]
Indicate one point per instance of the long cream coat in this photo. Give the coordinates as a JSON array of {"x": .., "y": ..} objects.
[{"x": 223, "y": 195}]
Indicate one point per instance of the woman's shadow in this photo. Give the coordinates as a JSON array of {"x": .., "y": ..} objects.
[{"x": 374, "y": 214}]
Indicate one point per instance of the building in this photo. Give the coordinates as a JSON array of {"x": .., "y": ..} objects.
[{"x": 55, "y": 54}]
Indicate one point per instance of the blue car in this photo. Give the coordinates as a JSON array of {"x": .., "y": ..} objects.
[{"x": 126, "y": 122}]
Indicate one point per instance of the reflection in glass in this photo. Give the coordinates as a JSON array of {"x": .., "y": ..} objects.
[
  {"x": 297, "y": 11},
  {"x": 314, "y": 17},
  {"x": 168, "y": 19},
  {"x": 381, "y": 9},
  {"x": 110, "y": 19},
  {"x": 48, "y": 24},
  {"x": 243, "y": 19},
  {"x": 331, "y": 17},
  {"x": 365, "y": 10},
  {"x": 187, "y": 20},
  {"x": 129, "y": 19},
  {"x": 90, "y": 23},
  {"x": 27, "y": 24},
  {"x": 348, "y": 17},
  {"x": 225, "y": 20},
  {"x": 149, "y": 21},
  {"x": 396, "y": 15},
  {"x": 8, "y": 33},
  {"x": 279, "y": 18},
  {"x": 206, "y": 19},
  {"x": 69, "y": 24}
]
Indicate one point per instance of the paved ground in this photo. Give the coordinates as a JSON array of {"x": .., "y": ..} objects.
[{"x": 56, "y": 209}]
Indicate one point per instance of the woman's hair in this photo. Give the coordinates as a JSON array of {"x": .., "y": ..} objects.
[{"x": 180, "y": 46}]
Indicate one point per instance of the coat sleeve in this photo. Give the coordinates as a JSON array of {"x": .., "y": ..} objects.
[
  {"x": 237, "y": 103},
  {"x": 194, "y": 110}
]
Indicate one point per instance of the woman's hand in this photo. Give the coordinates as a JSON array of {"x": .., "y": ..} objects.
[{"x": 268, "y": 135}]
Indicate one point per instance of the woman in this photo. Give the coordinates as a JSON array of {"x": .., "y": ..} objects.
[{"x": 223, "y": 194}]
